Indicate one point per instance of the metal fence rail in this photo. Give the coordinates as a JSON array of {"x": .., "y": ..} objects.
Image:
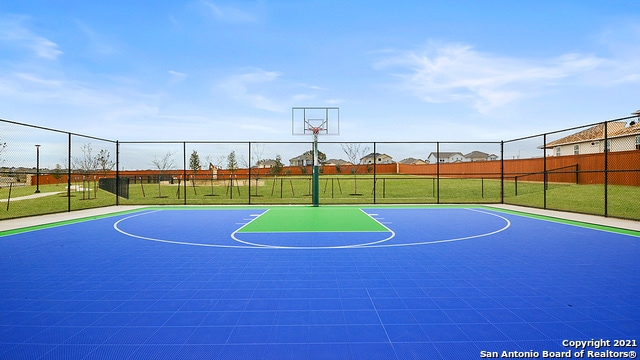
[{"x": 593, "y": 169}]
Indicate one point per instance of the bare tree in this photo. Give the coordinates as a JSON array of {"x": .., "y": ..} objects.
[
  {"x": 256, "y": 154},
  {"x": 354, "y": 153},
  {"x": 86, "y": 164},
  {"x": 104, "y": 162},
  {"x": 163, "y": 164}
]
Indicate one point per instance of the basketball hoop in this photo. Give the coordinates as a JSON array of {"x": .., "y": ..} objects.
[
  {"x": 315, "y": 121},
  {"x": 315, "y": 129}
]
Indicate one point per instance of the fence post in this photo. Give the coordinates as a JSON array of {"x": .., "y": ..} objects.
[
  {"x": 249, "y": 176},
  {"x": 69, "y": 176},
  {"x": 438, "y": 172},
  {"x": 606, "y": 170},
  {"x": 502, "y": 172},
  {"x": 9, "y": 197},
  {"x": 374, "y": 172},
  {"x": 544, "y": 165},
  {"x": 184, "y": 171},
  {"x": 118, "y": 173}
]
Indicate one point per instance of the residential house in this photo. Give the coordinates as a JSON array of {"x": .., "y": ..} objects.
[
  {"x": 266, "y": 164},
  {"x": 445, "y": 157},
  {"x": 479, "y": 156},
  {"x": 337, "y": 162},
  {"x": 412, "y": 161},
  {"x": 376, "y": 158},
  {"x": 452, "y": 157},
  {"x": 620, "y": 137},
  {"x": 306, "y": 159}
]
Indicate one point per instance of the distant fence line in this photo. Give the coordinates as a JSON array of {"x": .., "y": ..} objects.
[
  {"x": 578, "y": 169},
  {"x": 610, "y": 161}
]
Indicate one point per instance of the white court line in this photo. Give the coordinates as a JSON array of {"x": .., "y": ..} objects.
[
  {"x": 375, "y": 244},
  {"x": 115, "y": 226},
  {"x": 508, "y": 224}
]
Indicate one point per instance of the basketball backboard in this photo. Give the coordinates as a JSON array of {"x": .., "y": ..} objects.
[{"x": 318, "y": 120}]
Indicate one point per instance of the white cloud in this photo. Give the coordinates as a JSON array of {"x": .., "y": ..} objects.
[
  {"x": 14, "y": 30},
  {"x": 44, "y": 48},
  {"x": 177, "y": 76},
  {"x": 459, "y": 73},
  {"x": 227, "y": 13},
  {"x": 267, "y": 90},
  {"x": 37, "y": 88},
  {"x": 96, "y": 42},
  {"x": 244, "y": 88}
]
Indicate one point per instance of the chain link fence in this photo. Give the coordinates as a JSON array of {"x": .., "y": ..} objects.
[{"x": 592, "y": 169}]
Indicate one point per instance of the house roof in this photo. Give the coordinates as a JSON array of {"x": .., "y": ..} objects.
[
  {"x": 266, "y": 162},
  {"x": 411, "y": 161},
  {"x": 444, "y": 154},
  {"x": 629, "y": 130},
  {"x": 374, "y": 155},
  {"x": 337, "y": 162},
  {"x": 302, "y": 157},
  {"x": 476, "y": 155},
  {"x": 596, "y": 132}
]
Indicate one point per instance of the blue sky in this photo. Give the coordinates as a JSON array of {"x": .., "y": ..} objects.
[{"x": 398, "y": 70}]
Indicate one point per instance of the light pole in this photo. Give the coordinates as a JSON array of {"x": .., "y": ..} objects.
[{"x": 37, "y": 168}]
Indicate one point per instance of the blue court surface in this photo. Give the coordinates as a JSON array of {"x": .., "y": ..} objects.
[{"x": 230, "y": 283}]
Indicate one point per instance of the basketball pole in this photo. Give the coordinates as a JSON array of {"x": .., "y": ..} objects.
[
  {"x": 305, "y": 120},
  {"x": 315, "y": 181}
]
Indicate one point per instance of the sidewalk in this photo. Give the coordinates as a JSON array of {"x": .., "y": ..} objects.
[{"x": 34, "y": 196}]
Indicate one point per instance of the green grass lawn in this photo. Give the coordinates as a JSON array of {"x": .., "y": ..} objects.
[
  {"x": 588, "y": 199},
  {"x": 56, "y": 200},
  {"x": 337, "y": 189}
]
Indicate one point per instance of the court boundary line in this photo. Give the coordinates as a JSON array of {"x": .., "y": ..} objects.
[{"x": 525, "y": 211}]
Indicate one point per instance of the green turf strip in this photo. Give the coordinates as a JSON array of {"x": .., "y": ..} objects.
[
  {"x": 313, "y": 219},
  {"x": 569, "y": 222}
]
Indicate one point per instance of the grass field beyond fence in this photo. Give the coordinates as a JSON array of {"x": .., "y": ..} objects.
[{"x": 334, "y": 189}]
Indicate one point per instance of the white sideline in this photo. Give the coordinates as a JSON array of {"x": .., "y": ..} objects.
[
  {"x": 11, "y": 224},
  {"x": 32, "y": 196}
]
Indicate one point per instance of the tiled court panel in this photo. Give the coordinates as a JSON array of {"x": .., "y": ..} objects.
[{"x": 84, "y": 291}]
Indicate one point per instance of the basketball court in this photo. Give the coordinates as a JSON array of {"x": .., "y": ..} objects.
[
  {"x": 291, "y": 282},
  {"x": 318, "y": 282}
]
